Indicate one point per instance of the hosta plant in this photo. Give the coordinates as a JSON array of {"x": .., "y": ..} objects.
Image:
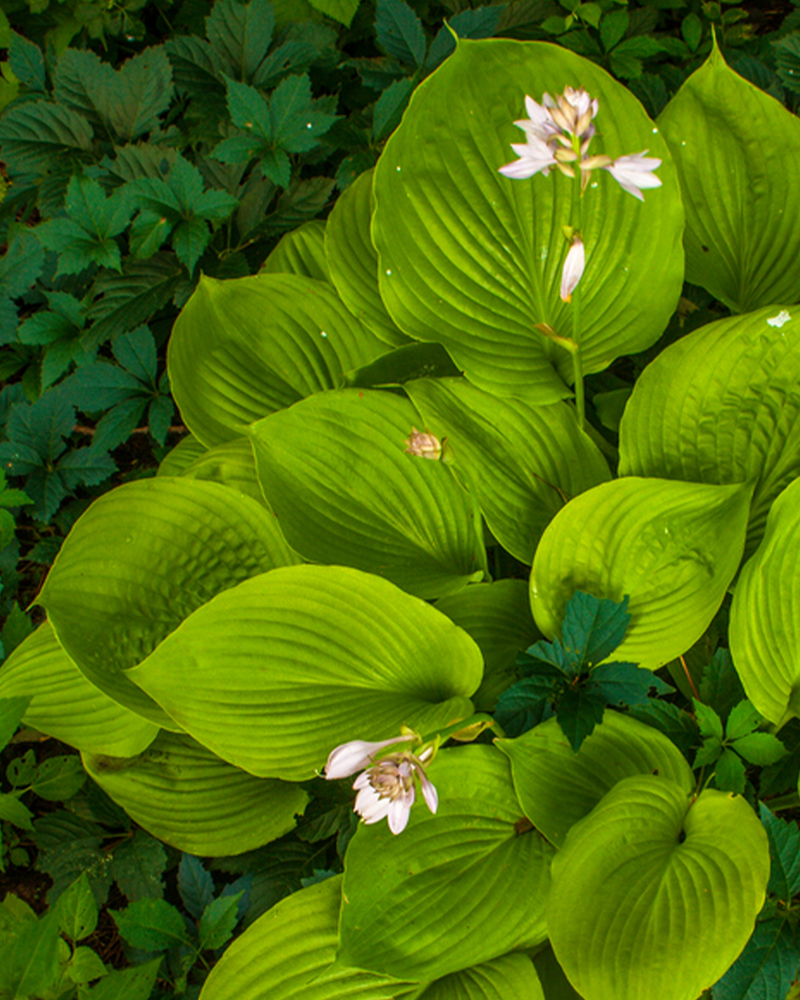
[{"x": 389, "y": 424}]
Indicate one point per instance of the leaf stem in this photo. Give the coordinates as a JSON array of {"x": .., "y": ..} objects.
[{"x": 789, "y": 801}]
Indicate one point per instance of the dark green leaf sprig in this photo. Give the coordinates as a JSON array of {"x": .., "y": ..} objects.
[
  {"x": 729, "y": 748},
  {"x": 568, "y": 677}
]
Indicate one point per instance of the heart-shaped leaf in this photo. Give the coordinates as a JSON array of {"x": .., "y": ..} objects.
[
  {"x": 186, "y": 796},
  {"x": 469, "y": 859},
  {"x": 656, "y": 892},
  {"x": 473, "y": 259},
  {"x": 353, "y": 260},
  {"x": 67, "y": 706},
  {"x": 734, "y": 147},
  {"x": 288, "y": 952},
  {"x": 721, "y": 405},
  {"x": 230, "y": 463},
  {"x": 334, "y": 472},
  {"x": 765, "y": 615},
  {"x": 246, "y": 347},
  {"x": 557, "y": 787},
  {"x": 672, "y": 547},
  {"x": 302, "y": 251},
  {"x": 522, "y": 462},
  {"x": 305, "y": 658},
  {"x": 509, "y": 977},
  {"x": 139, "y": 561}
]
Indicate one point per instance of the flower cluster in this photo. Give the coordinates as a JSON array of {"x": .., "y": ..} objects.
[
  {"x": 387, "y": 785},
  {"x": 423, "y": 445},
  {"x": 558, "y": 134}
]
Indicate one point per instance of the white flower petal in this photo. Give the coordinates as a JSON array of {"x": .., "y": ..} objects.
[
  {"x": 370, "y": 806},
  {"x": 429, "y": 793},
  {"x": 350, "y": 757},
  {"x": 573, "y": 268},
  {"x": 634, "y": 172},
  {"x": 399, "y": 811}
]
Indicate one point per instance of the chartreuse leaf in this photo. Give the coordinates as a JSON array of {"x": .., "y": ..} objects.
[
  {"x": 179, "y": 458},
  {"x": 522, "y": 462},
  {"x": 189, "y": 798},
  {"x": 509, "y": 977},
  {"x": 721, "y": 405},
  {"x": 334, "y": 471},
  {"x": 185, "y": 538},
  {"x": 302, "y": 251},
  {"x": 468, "y": 859},
  {"x": 305, "y": 658},
  {"x": 31, "y": 962},
  {"x": 246, "y": 347},
  {"x": 558, "y": 787},
  {"x": 742, "y": 221},
  {"x": 77, "y": 910},
  {"x": 287, "y": 954},
  {"x": 12, "y": 712},
  {"x": 672, "y": 547},
  {"x": 765, "y": 615},
  {"x": 353, "y": 260},
  {"x": 230, "y": 463},
  {"x": 473, "y": 260},
  {"x": 498, "y": 617},
  {"x": 65, "y": 704},
  {"x": 651, "y": 863}
]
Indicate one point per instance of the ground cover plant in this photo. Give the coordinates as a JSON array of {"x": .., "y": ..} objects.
[{"x": 482, "y": 514}]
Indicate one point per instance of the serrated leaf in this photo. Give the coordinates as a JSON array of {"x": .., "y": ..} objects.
[
  {"x": 77, "y": 910},
  {"x": 26, "y": 62},
  {"x": 33, "y": 135},
  {"x": 613, "y": 28},
  {"x": 151, "y": 925},
  {"x": 709, "y": 752},
  {"x": 340, "y": 10},
  {"x": 593, "y": 628},
  {"x": 42, "y": 426},
  {"x": 780, "y": 777},
  {"x": 760, "y": 748},
  {"x": 85, "y": 467},
  {"x": 135, "y": 983},
  {"x": 784, "y": 848},
  {"x": 787, "y": 57},
  {"x": 16, "y": 812},
  {"x": 142, "y": 92},
  {"x": 240, "y": 35},
  {"x": 743, "y": 719},
  {"x": 399, "y": 32},
  {"x": 720, "y": 686},
  {"x": 626, "y": 684},
  {"x": 390, "y": 106},
  {"x": 710, "y": 722},
  {"x": 195, "y": 885},
  {"x": 30, "y": 963},
  {"x": 730, "y": 772},
  {"x": 138, "y": 866},
  {"x": 85, "y": 966},
  {"x": 524, "y": 705},
  {"x": 296, "y": 121},
  {"x": 58, "y": 778},
  {"x": 578, "y": 711},
  {"x": 124, "y": 301},
  {"x": 766, "y": 969},
  {"x": 136, "y": 351},
  {"x": 218, "y": 921}
]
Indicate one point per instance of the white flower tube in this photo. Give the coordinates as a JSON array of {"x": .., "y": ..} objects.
[{"x": 573, "y": 268}]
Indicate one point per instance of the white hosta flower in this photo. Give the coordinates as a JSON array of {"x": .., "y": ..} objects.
[
  {"x": 351, "y": 757},
  {"x": 573, "y": 268},
  {"x": 634, "y": 172},
  {"x": 534, "y": 156},
  {"x": 387, "y": 789}
]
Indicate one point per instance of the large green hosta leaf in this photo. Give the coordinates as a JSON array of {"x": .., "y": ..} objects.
[
  {"x": 473, "y": 259},
  {"x": 186, "y": 796},
  {"x": 656, "y": 892},
  {"x": 673, "y": 548},
  {"x": 302, "y": 251},
  {"x": 141, "y": 559},
  {"x": 557, "y": 787},
  {"x": 353, "y": 260},
  {"x": 66, "y": 705},
  {"x": 273, "y": 674},
  {"x": 230, "y": 463},
  {"x": 455, "y": 889},
  {"x": 735, "y": 148},
  {"x": 287, "y": 955},
  {"x": 522, "y": 462},
  {"x": 721, "y": 405},
  {"x": 765, "y": 614},
  {"x": 510, "y": 977},
  {"x": 334, "y": 471},
  {"x": 498, "y": 617},
  {"x": 246, "y": 347}
]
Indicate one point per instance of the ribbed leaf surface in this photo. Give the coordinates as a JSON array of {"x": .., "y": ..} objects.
[
  {"x": 655, "y": 893},
  {"x": 182, "y": 455},
  {"x": 141, "y": 559},
  {"x": 230, "y": 463},
  {"x": 334, "y": 471},
  {"x": 673, "y": 548},
  {"x": 557, "y": 787},
  {"x": 287, "y": 954},
  {"x": 473, "y": 259},
  {"x": 246, "y": 347},
  {"x": 302, "y": 251},
  {"x": 522, "y": 462},
  {"x": 510, "y": 977},
  {"x": 734, "y": 147},
  {"x": 765, "y": 614},
  {"x": 401, "y": 893},
  {"x": 721, "y": 405},
  {"x": 498, "y": 617},
  {"x": 353, "y": 260},
  {"x": 305, "y": 658},
  {"x": 67, "y": 706},
  {"x": 186, "y": 796}
]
